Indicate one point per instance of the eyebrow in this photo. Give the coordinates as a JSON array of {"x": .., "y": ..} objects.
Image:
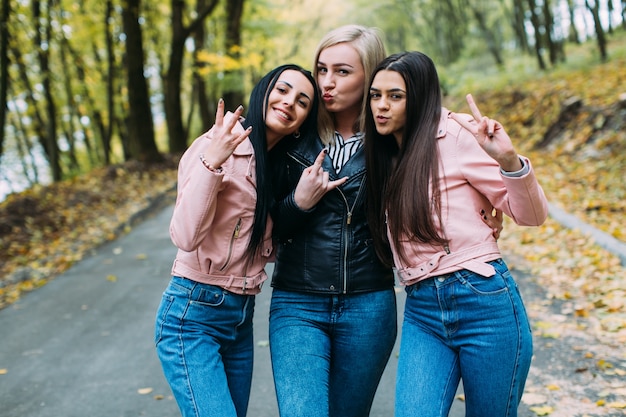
[
  {"x": 339, "y": 64},
  {"x": 291, "y": 86},
  {"x": 391, "y": 90}
]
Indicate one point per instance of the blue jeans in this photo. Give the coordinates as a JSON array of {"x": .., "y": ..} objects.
[
  {"x": 463, "y": 326},
  {"x": 329, "y": 351},
  {"x": 204, "y": 340}
]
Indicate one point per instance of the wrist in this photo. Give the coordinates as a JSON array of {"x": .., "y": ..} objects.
[{"x": 210, "y": 166}]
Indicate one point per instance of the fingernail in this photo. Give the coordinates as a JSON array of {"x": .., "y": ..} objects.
[
  {"x": 485, "y": 217},
  {"x": 325, "y": 151},
  {"x": 240, "y": 108},
  {"x": 220, "y": 101}
]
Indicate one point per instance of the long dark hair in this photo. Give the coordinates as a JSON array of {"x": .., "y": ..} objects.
[
  {"x": 403, "y": 182},
  {"x": 256, "y": 117}
]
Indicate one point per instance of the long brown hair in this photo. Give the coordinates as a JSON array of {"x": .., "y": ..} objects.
[{"x": 403, "y": 187}]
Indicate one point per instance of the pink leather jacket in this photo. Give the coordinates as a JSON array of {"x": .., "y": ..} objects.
[
  {"x": 212, "y": 221},
  {"x": 473, "y": 181}
]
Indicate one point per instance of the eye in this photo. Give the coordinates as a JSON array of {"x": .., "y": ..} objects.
[
  {"x": 397, "y": 96},
  {"x": 343, "y": 71},
  {"x": 281, "y": 89},
  {"x": 374, "y": 95},
  {"x": 322, "y": 70},
  {"x": 303, "y": 103}
]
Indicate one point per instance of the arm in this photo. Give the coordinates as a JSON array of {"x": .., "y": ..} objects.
[
  {"x": 200, "y": 179},
  {"x": 514, "y": 189}
]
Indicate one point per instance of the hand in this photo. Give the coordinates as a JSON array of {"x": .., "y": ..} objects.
[
  {"x": 314, "y": 183},
  {"x": 493, "y": 218},
  {"x": 226, "y": 134},
  {"x": 491, "y": 136}
]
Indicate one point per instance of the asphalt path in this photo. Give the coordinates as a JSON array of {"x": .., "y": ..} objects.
[{"x": 82, "y": 345}]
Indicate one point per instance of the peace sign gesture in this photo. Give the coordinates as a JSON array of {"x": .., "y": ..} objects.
[
  {"x": 491, "y": 136},
  {"x": 226, "y": 134},
  {"x": 314, "y": 183}
]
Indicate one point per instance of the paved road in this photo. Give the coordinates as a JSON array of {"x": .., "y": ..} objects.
[{"x": 82, "y": 345}]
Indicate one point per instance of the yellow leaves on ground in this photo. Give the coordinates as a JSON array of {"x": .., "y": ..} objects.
[
  {"x": 45, "y": 230},
  {"x": 3, "y": 371}
]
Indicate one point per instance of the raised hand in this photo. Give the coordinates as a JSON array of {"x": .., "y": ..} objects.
[
  {"x": 226, "y": 134},
  {"x": 491, "y": 136},
  {"x": 314, "y": 183}
]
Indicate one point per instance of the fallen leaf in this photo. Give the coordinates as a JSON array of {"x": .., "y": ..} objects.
[
  {"x": 542, "y": 411},
  {"x": 144, "y": 391},
  {"x": 112, "y": 278},
  {"x": 3, "y": 371}
]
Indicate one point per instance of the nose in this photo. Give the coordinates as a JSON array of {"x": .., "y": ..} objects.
[
  {"x": 382, "y": 103},
  {"x": 326, "y": 81},
  {"x": 289, "y": 99}
]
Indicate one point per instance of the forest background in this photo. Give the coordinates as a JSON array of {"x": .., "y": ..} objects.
[{"x": 98, "y": 99}]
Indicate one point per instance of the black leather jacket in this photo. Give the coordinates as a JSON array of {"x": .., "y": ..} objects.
[{"x": 329, "y": 248}]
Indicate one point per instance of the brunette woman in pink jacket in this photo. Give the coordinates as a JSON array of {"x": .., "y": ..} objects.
[
  {"x": 429, "y": 170},
  {"x": 223, "y": 233}
]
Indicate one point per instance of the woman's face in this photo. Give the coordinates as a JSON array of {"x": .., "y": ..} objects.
[
  {"x": 341, "y": 78},
  {"x": 388, "y": 103},
  {"x": 289, "y": 103}
]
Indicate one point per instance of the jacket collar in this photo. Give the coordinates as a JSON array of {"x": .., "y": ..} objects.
[{"x": 442, "y": 129}]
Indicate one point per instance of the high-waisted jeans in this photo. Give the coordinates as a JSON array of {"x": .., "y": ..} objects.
[
  {"x": 463, "y": 326},
  {"x": 329, "y": 351},
  {"x": 204, "y": 340}
]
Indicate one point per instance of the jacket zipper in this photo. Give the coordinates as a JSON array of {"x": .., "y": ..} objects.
[
  {"x": 346, "y": 237},
  {"x": 348, "y": 222},
  {"x": 234, "y": 236}
]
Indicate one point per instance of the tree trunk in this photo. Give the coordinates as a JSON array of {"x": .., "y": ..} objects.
[
  {"x": 517, "y": 20},
  {"x": 43, "y": 55},
  {"x": 107, "y": 133},
  {"x": 4, "y": 67},
  {"x": 177, "y": 133},
  {"x": 600, "y": 38},
  {"x": 534, "y": 19},
  {"x": 142, "y": 145},
  {"x": 492, "y": 43},
  {"x": 207, "y": 115},
  {"x": 233, "y": 95},
  {"x": 573, "y": 32}
]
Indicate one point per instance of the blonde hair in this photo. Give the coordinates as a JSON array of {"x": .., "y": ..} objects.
[{"x": 369, "y": 45}]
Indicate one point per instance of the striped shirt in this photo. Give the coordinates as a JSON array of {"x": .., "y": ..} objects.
[{"x": 342, "y": 150}]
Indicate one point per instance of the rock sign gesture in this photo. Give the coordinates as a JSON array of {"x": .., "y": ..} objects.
[
  {"x": 226, "y": 134},
  {"x": 491, "y": 136},
  {"x": 314, "y": 183}
]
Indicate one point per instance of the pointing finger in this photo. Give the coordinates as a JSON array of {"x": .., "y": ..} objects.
[{"x": 474, "y": 108}]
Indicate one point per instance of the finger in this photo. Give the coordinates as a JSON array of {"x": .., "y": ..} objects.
[
  {"x": 243, "y": 136},
  {"x": 474, "y": 108},
  {"x": 491, "y": 127},
  {"x": 233, "y": 119},
  {"x": 464, "y": 122},
  {"x": 320, "y": 159},
  {"x": 219, "y": 113},
  {"x": 334, "y": 184}
]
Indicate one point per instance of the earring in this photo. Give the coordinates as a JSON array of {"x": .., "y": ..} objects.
[{"x": 296, "y": 134}]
